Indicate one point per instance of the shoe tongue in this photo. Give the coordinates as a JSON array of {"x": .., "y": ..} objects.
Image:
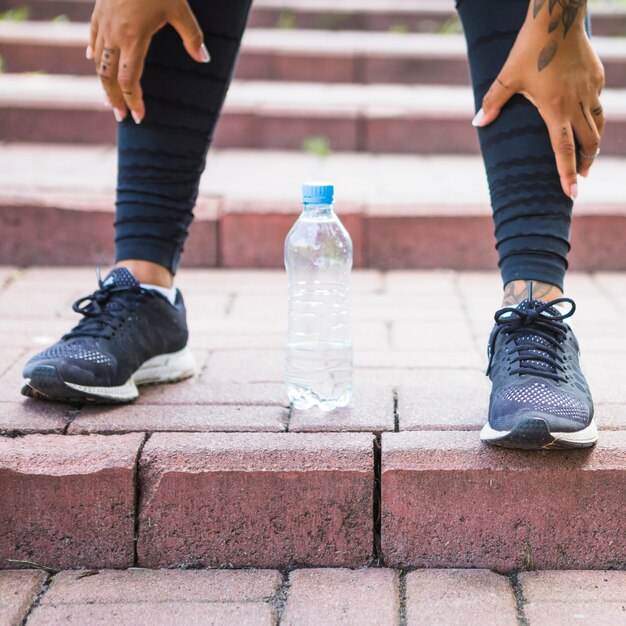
[
  {"x": 531, "y": 337},
  {"x": 120, "y": 278}
]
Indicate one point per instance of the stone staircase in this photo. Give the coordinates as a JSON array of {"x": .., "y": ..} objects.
[
  {"x": 218, "y": 471},
  {"x": 320, "y": 91}
]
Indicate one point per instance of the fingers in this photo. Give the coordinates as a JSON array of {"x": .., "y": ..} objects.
[
  {"x": 107, "y": 68},
  {"x": 498, "y": 95},
  {"x": 185, "y": 23},
  {"x": 588, "y": 138},
  {"x": 597, "y": 114},
  {"x": 562, "y": 139},
  {"x": 93, "y": 34},
  {"x": 129, "y": 73}
]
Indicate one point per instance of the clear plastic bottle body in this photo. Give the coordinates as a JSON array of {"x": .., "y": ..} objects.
[{"x": 318, "y": 259}]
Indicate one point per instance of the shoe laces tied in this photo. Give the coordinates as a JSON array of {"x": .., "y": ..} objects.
[
  {"x": 536, "y": 334},
  {"x": 103, "y": 312}
]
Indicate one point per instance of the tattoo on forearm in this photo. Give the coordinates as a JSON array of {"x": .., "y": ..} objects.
[
  {"x": 569, "y": 10},
  {"x": 519, "y": 290}
]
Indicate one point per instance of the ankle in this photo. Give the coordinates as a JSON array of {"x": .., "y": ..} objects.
[
  {"x": 147, "y": 272},
  {"x": 519, "y": 290}
]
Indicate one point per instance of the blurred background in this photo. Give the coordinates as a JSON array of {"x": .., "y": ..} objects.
[{"x": 372, "y": 95}]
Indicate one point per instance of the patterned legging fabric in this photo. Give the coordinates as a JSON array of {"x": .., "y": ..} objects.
[
  {"x": 532, "y": 216},
  {"x": 161, "y": 160}
]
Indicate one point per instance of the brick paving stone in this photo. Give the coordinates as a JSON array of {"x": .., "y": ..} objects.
[
  {"x": 371, "y": 409},
  {"x": 453, "y": 336},
  {"x": 444, "y": 399},
  {"x": 605, "y": 374},
  {"x": 430, "y": 284},
  {"x": 610, "y": 416},
  {"x": 262, "y": 366},
  {"x": 28, "y": 417},
  {"x": 202, "y": 305},
  {"x": 341, "y": 596},
  {"x": 18, "y": 589},
  {"x": 260, "y": 282},
  {"x": 68, "y": 501},
  {"x": 9, "y": 356},
  {"x": 459, "y": 597},
  {"x": 206, "y": 393},
  {"x": 157, "y": 614},
  {"x": 419, "y": 359},
  {"x": 231, "y": 340},
  {"x": 449, "y": 501},
  {"x": 570, "y": 597},
  {"x": 31, "y": 333},
  {"x": 393, "y": 307},
  {"x": 37, "y": 305},
  {"x": 239, "y": 498},
  {"x": 196, "y": 418},
  {"x": 130, "y": 586}
]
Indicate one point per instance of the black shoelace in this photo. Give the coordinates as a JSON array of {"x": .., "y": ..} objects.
[
  {"x": 536, "y": 334},
  {"x": 105, "y": 310}
]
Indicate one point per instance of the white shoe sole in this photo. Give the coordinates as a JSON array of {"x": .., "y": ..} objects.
[
  {"x": 164, "y": 368},
  {"x": 579, "y": 439}
]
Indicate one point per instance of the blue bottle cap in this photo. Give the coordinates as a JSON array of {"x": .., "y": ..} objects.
[{"x": 318, "y": 193}]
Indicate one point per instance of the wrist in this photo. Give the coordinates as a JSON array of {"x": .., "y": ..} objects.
[{"x": 563, "y": 19}]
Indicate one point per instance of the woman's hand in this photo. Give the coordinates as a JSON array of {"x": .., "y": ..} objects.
[
  {"x": 121, "y": 31},
  {"x": 553, "y": 64}
]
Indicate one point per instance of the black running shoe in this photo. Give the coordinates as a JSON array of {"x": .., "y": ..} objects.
[
  {"x": 540, "y": 398},
  {"x": 128, "y": 336}
]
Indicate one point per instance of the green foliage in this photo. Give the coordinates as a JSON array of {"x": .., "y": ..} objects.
[
  {"x": 332, "y": 21},
  {"x": 286, "y": 20},
  {"x": 319, "y": 146},
  {"x": 450, "y": 27},
  {"x": 1, "y": 64},
  {"x": 399, "y": 28},
  {"x": 60, "y": 19},
  {"x": 18, "y": 14}
]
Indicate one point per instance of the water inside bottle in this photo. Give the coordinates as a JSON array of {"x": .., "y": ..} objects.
[{"x": 319, "y": 353}]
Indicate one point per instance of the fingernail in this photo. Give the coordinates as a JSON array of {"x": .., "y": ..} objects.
[
  {"x": 136, "y": 117},
  {"x": 478, "y": 118},
  {"x": 573, "y": 191},
  {"x": 119, "y": 114},
  {"x": 89, "y": 53},
  {"x": 204, "y": 54}
]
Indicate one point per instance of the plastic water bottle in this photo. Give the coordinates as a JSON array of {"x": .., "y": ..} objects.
[{"x": 318, "y": 259}]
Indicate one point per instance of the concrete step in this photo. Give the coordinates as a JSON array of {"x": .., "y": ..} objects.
[
  {"x": 425, "y": 119},
  {"x": 365, "y": 596},
  {"x": 211, "y": 471},
  {"x": 292, "y": 55},
  {"x": 272, "y": 54},
  {"x": 609, "y": 18},
  {"x": 65, "y": 193}
]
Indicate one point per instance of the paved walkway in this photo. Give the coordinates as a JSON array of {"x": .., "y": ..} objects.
[
  {"x": 422, "y": 334},
  {"x": 341, "y": 597},
  {"x": 211, "y": 471}
]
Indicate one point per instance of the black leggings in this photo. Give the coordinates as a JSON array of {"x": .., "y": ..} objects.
[{"x": 160, "y": 161}]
